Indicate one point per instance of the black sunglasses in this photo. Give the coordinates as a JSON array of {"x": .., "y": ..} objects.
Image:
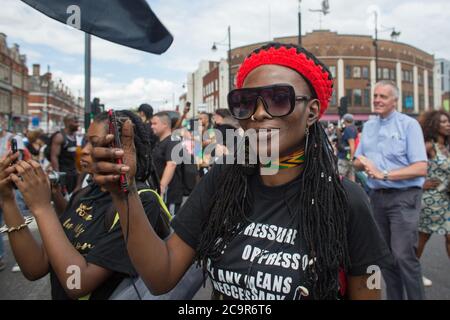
[{"x": 278, "y": 100}]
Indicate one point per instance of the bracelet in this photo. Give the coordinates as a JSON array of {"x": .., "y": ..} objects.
[{"x": 7, "y": 229}]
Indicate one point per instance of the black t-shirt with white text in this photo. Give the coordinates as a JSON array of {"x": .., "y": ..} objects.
[
  {"x": 89, "y": 224},
  {"x": 162, "y": 152},
  {"x": 267, "y": 259}
]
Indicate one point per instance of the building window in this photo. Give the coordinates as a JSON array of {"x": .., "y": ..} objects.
[
  {"x": 431, "y": 99},
  {"x": 357, "y": 72},
  {"x": 4, "y": 73},
  {"x": 379, "y": 73},
  {"x": 333, "y": 71},
  {"x": 365, "y": 72},
  {"x": 392, "y": 73},
  {"x": 430, "y": 82},
  {"x": 407, "y": 76},
  {"x": 421, "y": 101},
  {"x": 16, "y": 104},
  {"x": 348, "y": 72},
  {"x": 334, "y": 98},
  {"x": 386, "y": 73},
  {"x": 420, "y": 78},
  {"x": 366, "y": 98},
  {"x": 350, "y": 96},
  {"x": 357, "y": 97},
  {"x": 5, "y": 101},
  {"x": 17, "y": 80}
]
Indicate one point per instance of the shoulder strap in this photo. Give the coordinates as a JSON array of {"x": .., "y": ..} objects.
[{"x": 161, "y": 203}]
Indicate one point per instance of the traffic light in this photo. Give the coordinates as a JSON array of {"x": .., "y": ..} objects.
[
  {"x": 95, "y": 107},
  {"x": 343, "y": 106}
]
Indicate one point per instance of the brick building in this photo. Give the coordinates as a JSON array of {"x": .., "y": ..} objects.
[
  {"x": 13, "y": 86},
  {"x": 211, "y": 87},
  {"x": 351, "y": 59},
  {"x": 50, "y": 101},
  {"x": 443, "y": 82}
]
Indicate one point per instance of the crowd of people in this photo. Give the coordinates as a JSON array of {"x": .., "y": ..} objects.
[{"x": 306, "y": 232}]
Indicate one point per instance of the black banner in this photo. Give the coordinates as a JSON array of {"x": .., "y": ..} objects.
[{"x": 129, "y": 23}]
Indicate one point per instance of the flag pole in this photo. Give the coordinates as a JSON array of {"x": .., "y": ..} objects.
[{"x": 87, "y": 80}]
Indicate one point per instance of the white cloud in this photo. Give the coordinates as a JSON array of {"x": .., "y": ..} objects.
[
  {"x": 423, "y": 24},
  {"x": 197, "y": 24},
  {"x": 122, "y": 95},
  {"x": 24, "y": 23}
]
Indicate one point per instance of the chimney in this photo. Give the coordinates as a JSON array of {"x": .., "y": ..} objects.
[
  {"x": 2, "y": 36},
  {"x": 36, "y": 70}
]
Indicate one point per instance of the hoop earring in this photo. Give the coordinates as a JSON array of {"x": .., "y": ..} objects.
[{"x": 253, "y": 117}]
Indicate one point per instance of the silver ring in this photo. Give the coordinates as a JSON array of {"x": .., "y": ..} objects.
[{"x": 253, "y": 117}]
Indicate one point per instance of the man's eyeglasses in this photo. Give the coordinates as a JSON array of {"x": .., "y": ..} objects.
[{"x": 279, "y": 100}]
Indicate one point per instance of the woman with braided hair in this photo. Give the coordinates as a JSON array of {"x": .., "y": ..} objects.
[
  {"x": 300, "y": 233},
  {"x": 80, "y": 237}
]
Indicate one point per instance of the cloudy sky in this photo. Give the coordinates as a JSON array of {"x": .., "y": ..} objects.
[{"x": 124, "y": 77}]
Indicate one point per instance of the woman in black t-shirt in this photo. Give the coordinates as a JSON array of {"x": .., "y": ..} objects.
[
  {"x": 82, "y": 244},
  {"x": 299, "y": 232}
]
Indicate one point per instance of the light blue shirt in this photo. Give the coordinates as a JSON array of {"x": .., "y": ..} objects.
[{"x": 393, "y": 143}]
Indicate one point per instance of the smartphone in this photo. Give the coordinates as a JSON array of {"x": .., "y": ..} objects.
[
  {"x": 115, "y": 130},
  {"x": 14, "y": 150},
  {"x": 14, "y": 147}
]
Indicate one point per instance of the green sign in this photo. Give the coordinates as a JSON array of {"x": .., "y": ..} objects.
[{"x": 446, "y": 105}]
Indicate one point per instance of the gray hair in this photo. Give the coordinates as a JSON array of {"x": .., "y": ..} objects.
[{"x": 391, "y": 84}]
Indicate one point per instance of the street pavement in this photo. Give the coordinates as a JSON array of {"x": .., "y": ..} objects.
[{"x": 435, "y": 264}]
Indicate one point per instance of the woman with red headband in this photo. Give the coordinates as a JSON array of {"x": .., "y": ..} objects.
[{"x": 302, "y": 233}]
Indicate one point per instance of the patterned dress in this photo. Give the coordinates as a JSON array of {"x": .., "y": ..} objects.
[{"x": 435, "y": 213}]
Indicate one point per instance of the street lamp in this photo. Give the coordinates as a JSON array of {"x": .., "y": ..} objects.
[
  {"x": 214, "y": 48},
  {"x": 299, "y": 23},
  {"x": 394, "y": 37}
]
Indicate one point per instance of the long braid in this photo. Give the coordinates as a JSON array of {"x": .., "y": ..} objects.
[
  {"x": 323, "y": 215},
  {"x": 322, "y": 224},
  {"x": 229, "y": 207}
]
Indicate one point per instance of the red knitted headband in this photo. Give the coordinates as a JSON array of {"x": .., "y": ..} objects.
[{"x": 297, "y": 59}]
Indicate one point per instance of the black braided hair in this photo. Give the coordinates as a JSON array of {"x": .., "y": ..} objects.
[
  {"x": 144, "y": 161},
  {"x": 322, "y": 210}
]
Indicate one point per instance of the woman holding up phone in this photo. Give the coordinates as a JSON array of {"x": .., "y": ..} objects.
[
  {"x": 302, "y": 233},
  {"x": 82, "y": 247}
]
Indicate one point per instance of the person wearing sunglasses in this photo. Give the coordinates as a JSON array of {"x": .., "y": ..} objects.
[{"x": 302, "y": 233}]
